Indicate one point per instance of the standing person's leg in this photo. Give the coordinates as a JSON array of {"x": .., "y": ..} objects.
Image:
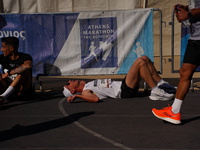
[
  {"x": 186, "y": 73},
  {"x": 190, "y": 63}
]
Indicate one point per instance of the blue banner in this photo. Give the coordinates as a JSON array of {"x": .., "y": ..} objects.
[
  {"x": 96, "y": 35},
  {"x": 184, "y": 40},
  {"x": 83, "y": 43},
  {"x": 41, "y": 35},
  {"x": 143, "y": 45}
]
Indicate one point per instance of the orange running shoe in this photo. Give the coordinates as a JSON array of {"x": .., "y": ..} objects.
[{"x": 167, "y": 115}]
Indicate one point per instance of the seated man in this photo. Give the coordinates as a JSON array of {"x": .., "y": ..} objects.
[
  {"x": 17, "y": 69},
  {"x": 128, "y": 88}
]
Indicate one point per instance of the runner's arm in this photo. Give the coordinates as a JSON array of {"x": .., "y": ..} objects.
[{"x": 87, "y": 95}]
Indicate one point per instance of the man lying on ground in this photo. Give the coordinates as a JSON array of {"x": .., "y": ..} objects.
[{"x": 128, "y": 88}]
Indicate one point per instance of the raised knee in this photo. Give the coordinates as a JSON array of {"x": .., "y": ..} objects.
[
  {"x": 140, "y": 61},
  {"x": 145, "y": 57}
]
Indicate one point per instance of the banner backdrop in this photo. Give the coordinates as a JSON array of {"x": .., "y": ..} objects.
[{"x": 85, "y": 43}]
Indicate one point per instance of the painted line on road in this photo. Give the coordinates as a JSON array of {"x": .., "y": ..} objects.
[{"x": 61, "y": 108}]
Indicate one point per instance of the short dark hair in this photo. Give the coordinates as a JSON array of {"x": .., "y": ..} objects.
[{"x": 13, "y": 41}]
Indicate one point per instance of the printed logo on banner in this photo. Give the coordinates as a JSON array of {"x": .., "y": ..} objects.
[{"x": 98, "y": 42}]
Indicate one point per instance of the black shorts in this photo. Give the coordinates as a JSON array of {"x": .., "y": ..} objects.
[
  {"x": 192, "y": 54},
  {"x": 128, "y": 92}
]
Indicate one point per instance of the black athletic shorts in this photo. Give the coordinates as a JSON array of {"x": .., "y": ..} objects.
[
  {"x": 192, "y": 54},
  {"x": 128, "y": 92}
]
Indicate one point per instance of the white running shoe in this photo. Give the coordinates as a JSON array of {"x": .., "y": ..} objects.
[
  {"x": 160, "y": 94},
  {"x": 167, "y": 87}
]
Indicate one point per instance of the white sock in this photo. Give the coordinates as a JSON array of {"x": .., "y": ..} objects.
[
  {"x": 176, "y": 106},
  {"x": 8, "y": 91},
  {"x": 160, "y": 82}
]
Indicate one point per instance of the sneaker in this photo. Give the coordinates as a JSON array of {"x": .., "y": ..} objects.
[
  {"x": 167, "y": 115},
  {"x": 167, "y": 88},
  {"x": 164, "y": 82},
  {"x": 160, "y": 94},
  {"x": 2, "y": 100}
]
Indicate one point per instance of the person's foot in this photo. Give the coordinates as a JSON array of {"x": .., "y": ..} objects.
[
  {"x": 160, "y": 94},
  {"x": 167, "y": 115},
  {"x": 167, "y": 88},
  {"x": 2, "y": 100}
]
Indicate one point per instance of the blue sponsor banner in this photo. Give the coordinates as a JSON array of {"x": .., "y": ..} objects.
[
  {"x": 143, "y": 45},
  {"x": 98, "y": 42},
  {"x": 184, "y": 40},
  {"x": 82, "y": 43},
  {"x": 41, "y": 35}
]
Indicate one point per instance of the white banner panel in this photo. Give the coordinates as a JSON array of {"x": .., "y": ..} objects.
[
  {"x": 106, "y": 42},
  {"x": 85, "y": 43}
]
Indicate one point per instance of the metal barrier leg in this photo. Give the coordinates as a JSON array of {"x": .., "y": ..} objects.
[
  {"x": 41, "y": 88},
  {"x": 192, "y": 86},
  {"x": 145, "y": 86}
]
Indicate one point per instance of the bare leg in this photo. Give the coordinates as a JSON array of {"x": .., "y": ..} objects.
[
  {"x": 3, "y": 86},
  {"x": 22, "y": 82},
  {"x": 153, "y": 70},
  {"x": 144, "y": 68},
  {"x": 186, "y": 73}
]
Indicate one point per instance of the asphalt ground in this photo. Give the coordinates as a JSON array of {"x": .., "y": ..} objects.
[{"x": 46, "y": 121}]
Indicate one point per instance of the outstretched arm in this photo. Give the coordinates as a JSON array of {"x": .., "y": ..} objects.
[{"x": 87, "y": 95}]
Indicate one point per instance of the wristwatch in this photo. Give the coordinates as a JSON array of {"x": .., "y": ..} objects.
[{"x": 189, "y": 14}]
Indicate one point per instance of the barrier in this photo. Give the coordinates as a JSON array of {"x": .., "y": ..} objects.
[{"x": 85, "y": 43}]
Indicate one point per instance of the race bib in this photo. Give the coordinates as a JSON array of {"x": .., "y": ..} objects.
[{"x": 104, "y": 83}]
